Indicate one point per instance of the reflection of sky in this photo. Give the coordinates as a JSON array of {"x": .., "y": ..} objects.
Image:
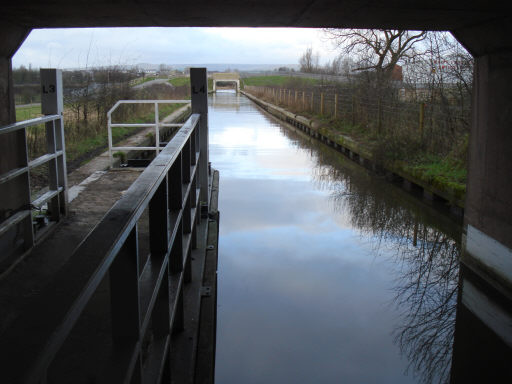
[{"x": 302, "y": 299}]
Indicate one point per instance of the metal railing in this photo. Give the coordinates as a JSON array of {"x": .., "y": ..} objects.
[
  {"x": 146, "y": 291},
  {"x": 157, "y": 125},
  {"x": 54, "y": 198},
  {"x": 18, "y": 231}
]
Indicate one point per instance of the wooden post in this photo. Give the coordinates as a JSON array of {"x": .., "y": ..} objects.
[
  {"x": 289, "y": 96},
  {"x": 312, "y": 103},
  {"x": 379, "y": 116},
  {"x": 353, "y": 109},
  {"x": 335, "y": 105},
  {"x": 296, "y": 94},
  {"x": 199, "y": 95},
  {"x": 422, "y": 118},
  {"x": 321, "y": 103},
  {"x": 303, "y": 100}
]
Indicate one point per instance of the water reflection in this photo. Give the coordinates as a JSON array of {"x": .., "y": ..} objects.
[
  {"x": 219, "y": 101},
  {"x": 425, "y": 257},
  {"x": 326, "y": 273}
]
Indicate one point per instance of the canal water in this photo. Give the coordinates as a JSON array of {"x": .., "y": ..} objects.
[{"x": 327, "y": 273}]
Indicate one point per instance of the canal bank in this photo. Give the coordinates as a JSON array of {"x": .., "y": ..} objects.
[{"x": 442, "y": 195}]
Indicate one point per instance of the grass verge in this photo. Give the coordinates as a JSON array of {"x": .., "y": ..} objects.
[
  {"x": 282, "y": 81},
  {"x": 27, "y": 113}
]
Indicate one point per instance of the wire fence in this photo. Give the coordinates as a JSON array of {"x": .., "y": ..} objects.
[{"x": 438, "y": 127}]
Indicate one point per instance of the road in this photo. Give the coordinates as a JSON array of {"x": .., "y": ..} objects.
[{"x": 151, "y": 82}]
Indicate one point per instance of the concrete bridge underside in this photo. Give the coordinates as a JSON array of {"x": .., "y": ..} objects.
[{"x": 483, "y": 27}]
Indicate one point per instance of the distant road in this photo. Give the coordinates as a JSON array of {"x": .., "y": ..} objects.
[{"x": 151, "y": 82}]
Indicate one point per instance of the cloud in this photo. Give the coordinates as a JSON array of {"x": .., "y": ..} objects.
[{"x": 70, "y": 48}]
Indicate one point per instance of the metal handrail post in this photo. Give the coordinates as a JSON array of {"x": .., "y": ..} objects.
[
  {"x": 199, "y": 96},
  {"x": 157, "y": 131},
  {"x": 52, "y": 103},
  {"x": 109, "y": 130}
]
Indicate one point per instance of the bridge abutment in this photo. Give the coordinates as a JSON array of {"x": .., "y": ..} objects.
[{"x": 488, "y": 208}]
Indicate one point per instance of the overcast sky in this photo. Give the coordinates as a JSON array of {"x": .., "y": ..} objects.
[{"x": 72, "y": 48}]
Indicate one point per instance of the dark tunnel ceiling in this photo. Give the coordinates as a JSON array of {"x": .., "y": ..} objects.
[
  {"x": 482, "y": 26},
  {"x": 433, "y": 14}
]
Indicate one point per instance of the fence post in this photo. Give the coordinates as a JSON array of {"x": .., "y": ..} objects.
[
  {"x": 379, "y": 116},
  {"x": 422, "y": 119},
  {"x": 296, "y": 98},
  {"x": 353, "y": 109},
  {"x": 321, "y": 103},
  {"x": 303, "y": 100},
  {"x": 312, "y": 103},
  {"x": 199, "y": 96},
  {"x": 289, "y": 96},
  {"x": 335, "y": 105}
]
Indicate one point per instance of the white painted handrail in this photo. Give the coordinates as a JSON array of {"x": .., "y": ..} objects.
[{"x": 157, "y": 124}]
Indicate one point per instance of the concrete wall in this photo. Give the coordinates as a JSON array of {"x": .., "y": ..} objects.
[{"x": 489, "y": 193}]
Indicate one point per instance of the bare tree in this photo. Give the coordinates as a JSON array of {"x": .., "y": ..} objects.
[
  {"x": 309, "y": 61},
  {"x": 377, "y": 49}
]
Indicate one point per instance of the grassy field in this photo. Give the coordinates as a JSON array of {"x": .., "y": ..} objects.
[
  {"x": 180, "y": 81},
  {"x": 26, "y": 113},
  {"x": 281, "y": 81}
]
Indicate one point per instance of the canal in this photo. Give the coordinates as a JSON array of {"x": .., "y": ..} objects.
[{"x": 327, "y": 273}]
